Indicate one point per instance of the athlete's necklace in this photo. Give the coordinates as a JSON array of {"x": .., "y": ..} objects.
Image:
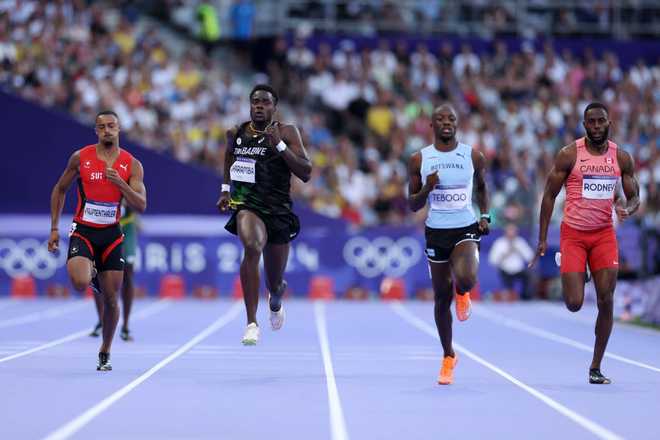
[{"x": 254, "y": 129}]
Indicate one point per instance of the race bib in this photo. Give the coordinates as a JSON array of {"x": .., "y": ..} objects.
[
  {"x": 449, "y": 197},
  {"x": 598, "y": 187},
  {"x": 100, "y": 213},
  {"x": 243, "y": 170}
]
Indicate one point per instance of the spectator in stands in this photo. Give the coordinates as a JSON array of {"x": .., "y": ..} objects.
[
  {"x": 510, "y": 254},
  {"x": 517, "y": 106}
]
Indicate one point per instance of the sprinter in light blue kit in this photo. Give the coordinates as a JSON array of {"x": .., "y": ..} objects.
[{"x": 444, "y": 174}]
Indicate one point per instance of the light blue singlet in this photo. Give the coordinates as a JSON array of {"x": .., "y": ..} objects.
[{"x": 450, "y": 203}]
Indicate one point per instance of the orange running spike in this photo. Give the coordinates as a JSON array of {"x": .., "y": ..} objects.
[
  {"x": 463, "y": 306},
  {"x": 446, "y": 376}
]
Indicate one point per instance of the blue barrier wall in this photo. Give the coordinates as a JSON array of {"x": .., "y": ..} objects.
[
  {"x": 204, "y": 254},
  {"x": 36, "y": 144}
]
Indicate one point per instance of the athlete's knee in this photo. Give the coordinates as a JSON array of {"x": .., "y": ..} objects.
[
  {"x": 573, "y": 305},
  {"x": 80, "y": 283},
  {"x": 110, "y": 300},
  {"x": 253, "y": 248},
  {"x": 605, "y": 302}
]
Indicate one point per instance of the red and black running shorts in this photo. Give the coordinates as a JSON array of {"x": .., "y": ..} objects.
[
  {"x": 598, "y": 248},
  {"x": 101, "y": 245}
]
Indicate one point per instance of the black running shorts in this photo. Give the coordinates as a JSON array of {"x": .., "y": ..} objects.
[
  {"x": 101, "y": 245},
  {"x": 441, "y": 242},
  {"x": 280, "y": 228}
]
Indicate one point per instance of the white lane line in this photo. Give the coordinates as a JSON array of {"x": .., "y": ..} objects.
[
  {"x": 337, "y": 422},
  {"x": 45, "y": 314},
  {"x": 142, "y": 314},
  {"x": 536, "y": 331},
  {"x": 79, "y": 422},
  {"x": 584, "y": 422}
]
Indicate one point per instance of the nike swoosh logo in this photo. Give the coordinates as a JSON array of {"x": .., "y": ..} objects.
[
  {"x": 260, "y": 140},
  {"x": 583, "y": 160}
]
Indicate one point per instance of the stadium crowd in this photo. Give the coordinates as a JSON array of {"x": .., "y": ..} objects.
[{"x": 363, "y": 111}]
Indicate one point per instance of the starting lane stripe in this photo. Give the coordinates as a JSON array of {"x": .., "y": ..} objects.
[
  {"x": 142, "y": 314},
  {"x": 550, "y": 336},
  {"x": 79, "y": 422},
  {"x": 589, "y": 425},
  {"x": 337, "y": 421}
]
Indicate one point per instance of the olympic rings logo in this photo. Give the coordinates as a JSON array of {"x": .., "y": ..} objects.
[
  {"x": 382, "y": 256},
  {"x": 29, "y": 256}
]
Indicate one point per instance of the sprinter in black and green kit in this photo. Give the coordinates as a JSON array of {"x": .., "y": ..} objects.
[
  {"x": 128, "y": 223},
  {"x": 261, "y": 156}
]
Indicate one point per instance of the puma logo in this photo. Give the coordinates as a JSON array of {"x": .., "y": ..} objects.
[{"x": 124, "y": 167}]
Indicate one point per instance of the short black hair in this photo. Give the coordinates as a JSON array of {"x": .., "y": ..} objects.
[
  {"x": 594, "y": 105},
  {"x": 106, "y": 112},
  {"x": 265, "y": 88}
]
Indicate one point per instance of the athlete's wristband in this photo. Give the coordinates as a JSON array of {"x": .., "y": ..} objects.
[
  {"x": 225, "y": 188},
  {"x": 281, "y": 146}
]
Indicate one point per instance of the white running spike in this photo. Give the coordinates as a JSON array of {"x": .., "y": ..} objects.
[
  {"x": 251, "y": 335},
  {"x": 277, "y": 318}
]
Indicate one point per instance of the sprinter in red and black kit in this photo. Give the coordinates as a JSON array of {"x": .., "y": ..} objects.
[{"x": 106, "y": 175}]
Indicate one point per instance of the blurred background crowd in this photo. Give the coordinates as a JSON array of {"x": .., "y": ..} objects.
[{"x": 178, "y": 73}]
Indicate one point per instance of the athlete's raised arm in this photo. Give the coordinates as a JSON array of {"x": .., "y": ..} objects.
[
  {"x": 479, "y": 163},
  {"x": 418, "y": 193},
  {"x": 562, "y": 167},
  {"x": 629, "y": 184},
  {"x": 57, "y": 197},
  {"x": 288, "y": 142},
  {"x": 134, "y": 192},
  {"x": 225, "y": 189}
]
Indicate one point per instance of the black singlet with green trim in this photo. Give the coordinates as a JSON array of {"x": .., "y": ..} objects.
[{"x": 270, "y": 194}]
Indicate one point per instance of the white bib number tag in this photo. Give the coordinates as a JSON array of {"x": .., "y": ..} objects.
[
  {"x": 448, "y": 198},
  {"x": 243, "y": 170},
  {"x": 598, "y": 187},
  {"x": 100, "y": 213}
]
